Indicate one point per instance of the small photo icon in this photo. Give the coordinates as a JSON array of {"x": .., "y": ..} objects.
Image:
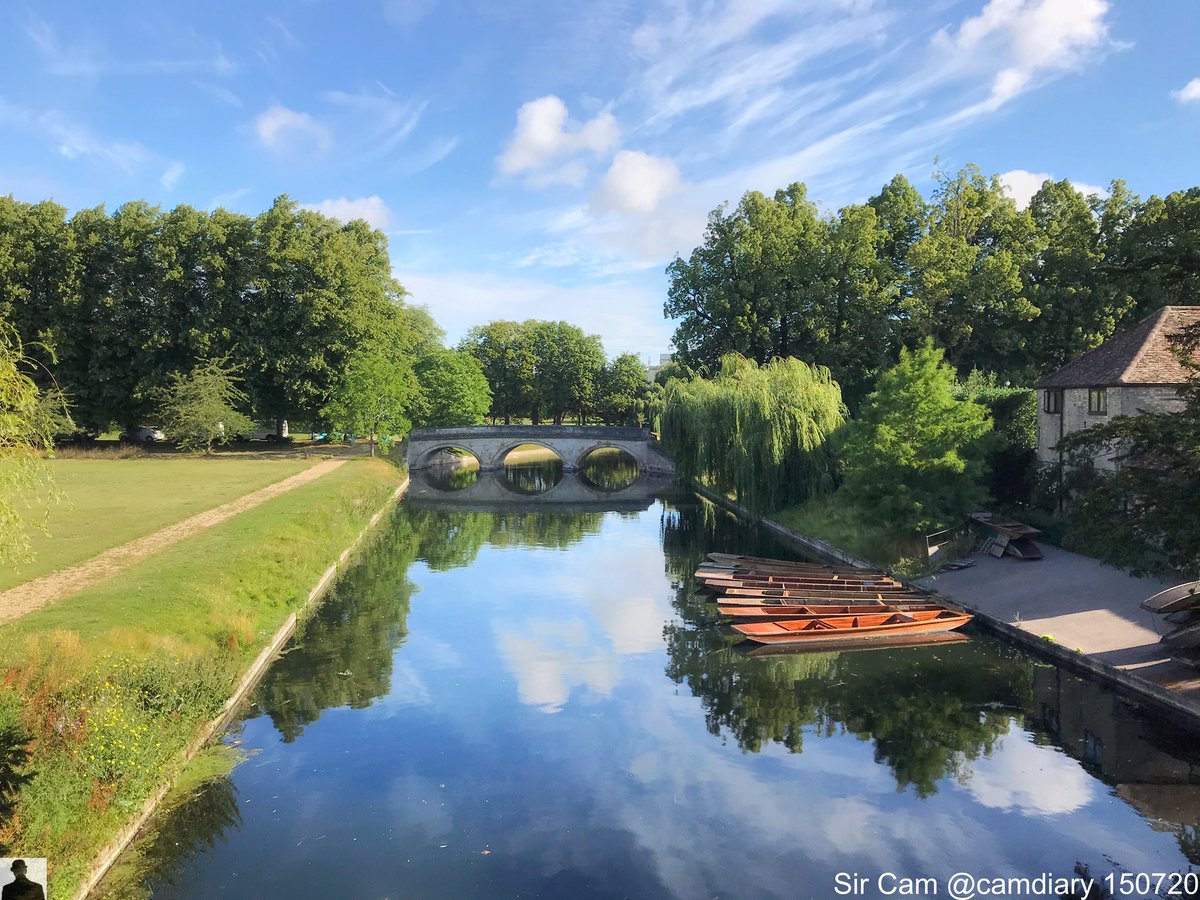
[{"x": 23, "y": 878}]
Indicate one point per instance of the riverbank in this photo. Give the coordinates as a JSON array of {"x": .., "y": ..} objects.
[
  {"x": 1072, "y": 608},
  {"x": 107, "y": 691}
]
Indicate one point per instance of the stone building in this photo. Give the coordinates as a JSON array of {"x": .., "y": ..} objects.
[{"x": 1134, "y": 371}]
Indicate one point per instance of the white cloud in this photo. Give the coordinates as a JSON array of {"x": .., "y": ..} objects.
[
  {"x": 1189, "y": 93},
  {"x": 172, "y": 175},
  {"x": 1022, "y": 185},
  {"x": 636, "y": 182},
  {"x": 279, "y": 128},
  {"x": 1033, "y": 36},
  {"x": 544, "y": 134},
  {"x": 73, "y": 140},
  {"x": 407, "y": 13},
  {"x": 372, "y": 209},
  {"x": 1030, "y": 779}
]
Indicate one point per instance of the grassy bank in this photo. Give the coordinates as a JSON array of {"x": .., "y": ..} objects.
[
  {"x": 104, "y": 689},
  {"x": 107, "y": 502},
  {"x": 833, "y": 520}
]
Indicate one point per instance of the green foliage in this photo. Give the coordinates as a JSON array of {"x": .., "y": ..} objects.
[
  {"x": 202, "y": 407},
  {"x": 27, "y": 421},
  {"x": 914, "y": 457},
  {"x": 623, "y": 391},
  {"x": 1010, "y": 450},
  {"x": 453, "y": 389},
  {"x": 760, "y": 431}
]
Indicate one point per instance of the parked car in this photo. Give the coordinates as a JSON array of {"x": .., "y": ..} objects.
[
  {"x": 142, "y": 434},
  {"x": 265, "y": 434}
]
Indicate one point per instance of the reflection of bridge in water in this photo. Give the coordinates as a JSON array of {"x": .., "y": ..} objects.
[{"x": 493, "y": 490}]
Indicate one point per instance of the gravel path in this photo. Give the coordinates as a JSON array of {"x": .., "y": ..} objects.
[{"x": 25, "y": 598}]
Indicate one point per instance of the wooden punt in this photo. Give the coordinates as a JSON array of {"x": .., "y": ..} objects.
[
  {"x": 759, "y": 562},
  {"x": 769, "y": 613},
  {"x": 819, "y": 600},
  {"x": 1182, "y": 596},
  {"x": 802, "y": 594},
  {"x": 1184, "y": 636},
  {"x": 852, "y": 628},
  {"x": 751, "y": 575},
  {"x": 889, "y": 642},
  {"x": 800, "y": 585}
]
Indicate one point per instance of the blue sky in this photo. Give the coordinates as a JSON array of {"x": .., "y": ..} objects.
[{"x": 548, "y": 159}]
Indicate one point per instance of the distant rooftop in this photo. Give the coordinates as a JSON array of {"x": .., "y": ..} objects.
[{"x": 1142, "y": 354}]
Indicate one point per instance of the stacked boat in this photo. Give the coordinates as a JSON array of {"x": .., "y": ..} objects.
[
  {"x": 1179, "y": 607},
  {"x": 773, "y": 601}
]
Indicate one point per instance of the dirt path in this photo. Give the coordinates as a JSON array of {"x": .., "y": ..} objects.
[{"x": 27, "y": 597}]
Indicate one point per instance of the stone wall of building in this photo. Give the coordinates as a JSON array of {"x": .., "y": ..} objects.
[{"x": 1122, "y": 401}]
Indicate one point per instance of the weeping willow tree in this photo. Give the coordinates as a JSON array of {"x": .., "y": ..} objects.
[{"x": 761, "y": 432}]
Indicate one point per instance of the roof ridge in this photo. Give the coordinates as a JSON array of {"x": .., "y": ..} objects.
[{"x": 1160, "y": 315}]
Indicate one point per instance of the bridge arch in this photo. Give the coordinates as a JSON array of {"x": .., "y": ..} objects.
[
  {"x": 428, "y": 456},
  {"x": 490, "y": 444}
]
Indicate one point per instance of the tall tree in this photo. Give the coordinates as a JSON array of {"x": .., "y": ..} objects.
[
  {"x": 623, "y": 391},
  {"x": 967, "y": 293},
  {"x": 507, "y": 360},
  {"x": 453, "y": 390},
  {"x": 914, "y": 458}
]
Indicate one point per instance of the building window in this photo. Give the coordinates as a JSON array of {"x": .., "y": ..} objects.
[
  {"x": 1052, "y": 402},
  {"x": 1098, "y": 401}
]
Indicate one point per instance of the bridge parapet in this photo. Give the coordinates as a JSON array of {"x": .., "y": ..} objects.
[{"x": 572, "y": 443}]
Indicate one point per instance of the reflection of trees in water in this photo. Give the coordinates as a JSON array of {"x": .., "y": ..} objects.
[
  {"x": 543, "y": 528},
  {"x": 188, "y": 829},
  {"x": 533, "y": 477},
  {"x": 344, "y": 657},
  {"x": 928, "y": 710},
  {"x": 609, "y": 470},
  {"x": 451, "y": 477}
]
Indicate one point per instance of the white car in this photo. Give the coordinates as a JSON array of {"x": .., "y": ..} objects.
[
  {"x": 264, "y": 434},
  {"x": 143, "y": 434}
]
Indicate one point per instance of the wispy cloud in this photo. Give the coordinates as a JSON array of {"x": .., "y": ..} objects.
[
  {"x": 371, "y": 209},
  {"x": 71, "y": 139},
  {"x": 1189, "y": 93},
  {"x": 171, "y": 176},
  {"x": 84, "y": 58},
  {"x": 281, "y": 129}
]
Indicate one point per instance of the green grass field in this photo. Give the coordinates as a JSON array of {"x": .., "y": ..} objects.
[
  {"x": 104, "y": 688},
  {"x": 107, "y": 502}
]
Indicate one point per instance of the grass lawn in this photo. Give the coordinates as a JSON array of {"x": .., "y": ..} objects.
[
  {"x": 107, "y": 502},
  {"x": 833, "y": 520},
  {"x": 105, "y": 688}
]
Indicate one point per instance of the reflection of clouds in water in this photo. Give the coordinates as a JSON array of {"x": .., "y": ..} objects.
[
  {"x": 1034, "y": 780},
  {"x": 551, "y": 658},
  {"x": 407, "y": 689},
  {"x": 438, "y": 654},
  {"x": 418, "y": 802}
]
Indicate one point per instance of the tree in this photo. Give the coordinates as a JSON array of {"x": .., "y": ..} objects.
[
  {"x": 914, "y": 457},
  {"x": 623, "y": 391},
  {"x": 761, "y": 431},
  {"x": 507, "y": 361},
  {"x": 26, "y": 431},
  {"x": 204, "y": 406},
  {"x": 453, "y": 390}
]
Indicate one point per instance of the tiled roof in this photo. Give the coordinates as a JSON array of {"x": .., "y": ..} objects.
[{"x": 1140, "y": 355}]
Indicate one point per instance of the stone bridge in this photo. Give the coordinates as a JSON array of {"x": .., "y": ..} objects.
[
  {"x": 572, "y": 443},
  {"x": 492, "y": 491}
]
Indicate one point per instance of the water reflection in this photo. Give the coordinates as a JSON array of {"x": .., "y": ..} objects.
[
  {"x": 450, "y": 476},
  {"x": 609, "y": 469},
  {"x": 533, "y": 477},
  {"x": 472, "y": 687}
]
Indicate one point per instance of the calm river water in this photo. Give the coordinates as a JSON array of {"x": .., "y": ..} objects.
[{"x": 508, "y": 697}]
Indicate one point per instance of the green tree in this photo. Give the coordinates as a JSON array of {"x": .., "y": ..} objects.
[
  {"x": 26, "y": 431},
  {"x": 760, "y": 431},
  {"x": 623, "y": 391},
  {"x": 914, "y": 457},
  {"x": 967, "y": 294},
  {"x": 204, "y": 406},
  {"x": 453, "y": 390},
  {"x": 507, "y": 360}
]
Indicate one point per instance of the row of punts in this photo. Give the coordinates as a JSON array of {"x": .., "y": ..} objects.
[
  {"x": 783, "y": 603},
  {"x": 1179, "y": 608}
]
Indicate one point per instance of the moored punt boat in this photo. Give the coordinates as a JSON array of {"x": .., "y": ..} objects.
[
  {"x": 855, "y": 596},
  {"x": 800, "y": 585},
  {"x": 888, "y": 642},
  {"x": 1185, "y": 636},
  {"x": 760, "y": 599},
  {"x": 753, "y": 575},
  {"x": 1182, "y": 596},
  {"x": 852, "y": 628},
  {"x": 768, "y": 613},
  {"x": 758, "y": 562}
]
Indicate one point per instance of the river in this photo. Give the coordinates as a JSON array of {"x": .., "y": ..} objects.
[{"x": 526, "y": 698}]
